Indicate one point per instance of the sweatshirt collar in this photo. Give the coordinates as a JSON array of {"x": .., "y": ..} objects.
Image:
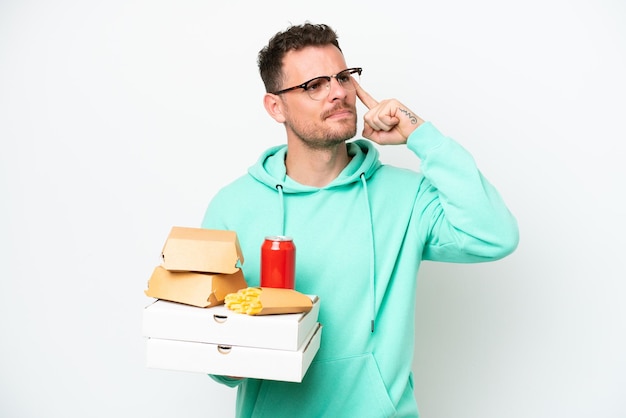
[{"x": 270, "y": 168}]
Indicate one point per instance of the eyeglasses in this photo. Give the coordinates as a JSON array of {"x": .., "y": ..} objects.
[{"x": 318, "y": 88}]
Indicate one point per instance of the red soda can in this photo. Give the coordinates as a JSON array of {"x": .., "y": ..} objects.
[{"x": 278, "y": 262}]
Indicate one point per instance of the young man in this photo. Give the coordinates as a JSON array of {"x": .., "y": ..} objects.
[{"x": 361, "y": 228}]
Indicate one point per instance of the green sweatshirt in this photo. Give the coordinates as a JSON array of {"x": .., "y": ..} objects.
[{"x": 359, "y": 243}]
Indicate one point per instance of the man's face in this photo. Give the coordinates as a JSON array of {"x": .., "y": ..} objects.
[{"x": 329, "y": 121}]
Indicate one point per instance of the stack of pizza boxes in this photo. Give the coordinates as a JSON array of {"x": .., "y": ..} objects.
[{"x": 189, "y": 328}]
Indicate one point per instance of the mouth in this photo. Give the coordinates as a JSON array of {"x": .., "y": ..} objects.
[{"x": 339, "y": 114}]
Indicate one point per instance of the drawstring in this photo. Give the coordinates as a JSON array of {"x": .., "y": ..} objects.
[
  {"x": 279, "y": 187},
  {"x": 372, "y": 253},
  {"x": 372, "y": 268}
]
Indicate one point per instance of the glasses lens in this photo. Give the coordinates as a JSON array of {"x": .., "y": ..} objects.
[
  {"x": 318, "y": 88},
  {"x": 345, "y": 78}
]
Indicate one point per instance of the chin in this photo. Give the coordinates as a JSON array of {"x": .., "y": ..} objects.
[{"x": 346, "y": 130}]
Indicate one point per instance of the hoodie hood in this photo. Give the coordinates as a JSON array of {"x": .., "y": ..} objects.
[{"x": 270, "y": 168}]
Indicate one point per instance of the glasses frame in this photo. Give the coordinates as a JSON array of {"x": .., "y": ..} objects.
[{"x": 305, "y": 85}]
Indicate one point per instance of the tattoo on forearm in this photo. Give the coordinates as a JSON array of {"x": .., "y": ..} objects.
[{"x": 411, "y": 117}]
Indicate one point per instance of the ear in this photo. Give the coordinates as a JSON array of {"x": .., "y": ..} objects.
[{"x": 274, "y": 107}]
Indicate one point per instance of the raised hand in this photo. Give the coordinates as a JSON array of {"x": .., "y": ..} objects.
[{"x": 388, "y": 122}]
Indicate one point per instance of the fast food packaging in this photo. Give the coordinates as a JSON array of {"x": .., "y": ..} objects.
[
  {"x": 191, "y": 288},
  {"x": 202, "y": 250},
  {"x": 217, "y": 340},
  {"x": 199, "y": 267},
  {"x": 268, "y": 301}
]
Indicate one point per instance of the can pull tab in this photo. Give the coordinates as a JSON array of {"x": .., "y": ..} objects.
[
  {"x": 224, "y": 349},
  {"x": 220, "y": 319}
]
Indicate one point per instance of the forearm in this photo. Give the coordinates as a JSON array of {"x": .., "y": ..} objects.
[
  {"x": 227, "y": 380},
  {"x": 472, "y": 214}
]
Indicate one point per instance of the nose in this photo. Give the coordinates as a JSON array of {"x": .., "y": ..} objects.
[{"x": 336, "y": 90}]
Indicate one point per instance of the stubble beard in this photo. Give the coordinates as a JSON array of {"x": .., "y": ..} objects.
[{"x": 318, "y": 136}]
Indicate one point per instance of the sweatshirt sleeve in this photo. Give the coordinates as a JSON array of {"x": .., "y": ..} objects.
[
  {"x": 469, "y": 221},
  {"x": 225, "y": 380}
]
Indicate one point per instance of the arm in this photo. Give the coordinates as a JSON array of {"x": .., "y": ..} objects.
[
  {"x": 227, "y": 380},
  {"x": 469, "y": 221}
]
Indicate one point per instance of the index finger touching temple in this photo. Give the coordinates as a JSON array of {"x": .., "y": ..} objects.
[{"x": 364, "y": 96}]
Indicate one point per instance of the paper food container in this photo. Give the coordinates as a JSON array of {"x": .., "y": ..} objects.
[
  {"x": 220, "y": 325},
  {"x": 268, "y": 301},
  {"x": 202, "y": 250},
  {"x": 231, "y": 360},
  {"x": 197, "y": 289}
]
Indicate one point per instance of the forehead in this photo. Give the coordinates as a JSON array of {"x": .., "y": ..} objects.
[{"x": 312, "y": 61}]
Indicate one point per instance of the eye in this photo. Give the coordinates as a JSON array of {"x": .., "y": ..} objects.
[
  {"x": 316, "y": 84},
  {"x": 343, "y": 77}
]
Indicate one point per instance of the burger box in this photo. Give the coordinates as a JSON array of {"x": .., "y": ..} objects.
[
  {"x": 233, "y": 360},
  {"x": 220, "y": 325},
  {"x": 197, "y": 289},
  {"x": 202, "y": 250}
]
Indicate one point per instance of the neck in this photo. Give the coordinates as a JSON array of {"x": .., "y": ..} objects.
[{"x": 315, "y": 167}]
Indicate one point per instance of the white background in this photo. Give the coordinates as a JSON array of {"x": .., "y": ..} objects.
[{"x": 120, "y": 119}]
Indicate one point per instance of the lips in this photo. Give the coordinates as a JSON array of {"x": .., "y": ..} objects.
[{"x": 338, "y": 113}]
